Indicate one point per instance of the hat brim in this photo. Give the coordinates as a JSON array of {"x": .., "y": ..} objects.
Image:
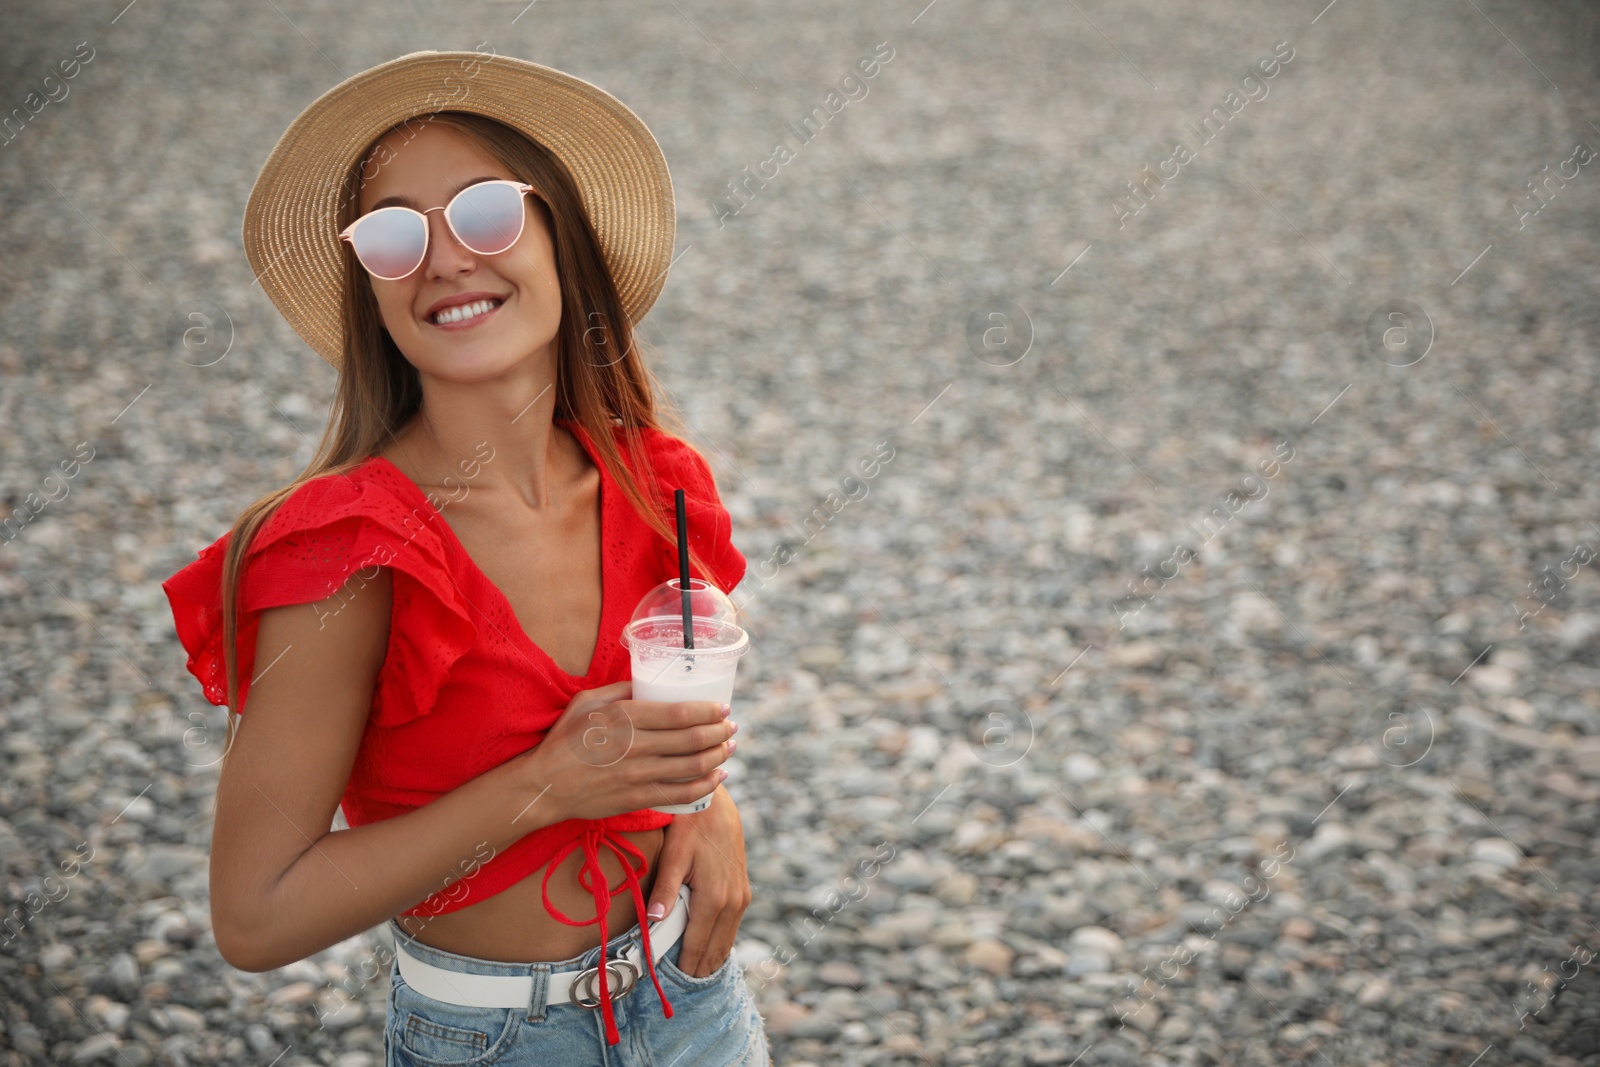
[{"x": 290, "y": 232}]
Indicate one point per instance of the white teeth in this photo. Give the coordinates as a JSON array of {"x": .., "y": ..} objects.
[{"x": 464, "y": 311}]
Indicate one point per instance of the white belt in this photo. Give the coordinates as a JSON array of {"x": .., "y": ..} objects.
[{"x": 575, "y": 987}]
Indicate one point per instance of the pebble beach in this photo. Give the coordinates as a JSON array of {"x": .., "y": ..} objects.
[{"x": 1171, "y": 493}]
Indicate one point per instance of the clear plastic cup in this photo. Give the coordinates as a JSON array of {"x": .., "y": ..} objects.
[{"x": 662, "y": 669}]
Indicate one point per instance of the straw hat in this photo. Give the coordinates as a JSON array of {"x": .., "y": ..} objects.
[{"x": 290, "y": 230}]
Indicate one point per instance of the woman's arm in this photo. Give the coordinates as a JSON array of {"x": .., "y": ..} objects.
[
  {"x": 706, "y": 850},
  {"x": 283, "y": 884}
]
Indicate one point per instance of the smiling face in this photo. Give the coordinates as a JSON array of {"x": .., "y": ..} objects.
[{"x": 423, "y": 168}]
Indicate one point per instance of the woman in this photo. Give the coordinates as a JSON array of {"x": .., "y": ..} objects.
[{"x": 470, "y": 240}]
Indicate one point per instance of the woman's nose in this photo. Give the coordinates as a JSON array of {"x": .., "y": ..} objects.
[{"x": 446, "y": 255}]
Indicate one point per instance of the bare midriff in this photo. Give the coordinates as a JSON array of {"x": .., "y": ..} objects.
[{"x": 513, "y": 926}]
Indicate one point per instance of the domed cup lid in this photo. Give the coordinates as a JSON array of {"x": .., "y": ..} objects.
[{"x": 658, "y": 619}]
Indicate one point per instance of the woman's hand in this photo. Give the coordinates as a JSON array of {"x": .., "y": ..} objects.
[
  {"x": 706, "y": 850},
  {"x": 608, "y": 754}
]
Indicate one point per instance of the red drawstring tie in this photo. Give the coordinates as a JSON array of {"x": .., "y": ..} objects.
[{"x": 592, "y": 837}]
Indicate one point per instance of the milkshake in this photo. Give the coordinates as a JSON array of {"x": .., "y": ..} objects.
[{"x": 664, "y": 670}]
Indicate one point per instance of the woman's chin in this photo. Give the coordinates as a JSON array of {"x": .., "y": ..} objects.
[{"x": 465, "y": 364}]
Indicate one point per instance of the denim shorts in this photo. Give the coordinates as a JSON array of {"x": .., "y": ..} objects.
[{"x": 715, "y": 1022}]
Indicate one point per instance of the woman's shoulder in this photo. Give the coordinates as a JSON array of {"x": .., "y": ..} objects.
[
  {"x": 373, "y": 493},
  {"x": 360, "y": 486},
  {"x": 675, "y": 463},
  {"x": 330, "y": 524},
  {"x": 671, "y": 458},
  {"x": 329, "y": 531}
]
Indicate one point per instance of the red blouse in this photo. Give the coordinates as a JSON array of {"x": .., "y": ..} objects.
[{"x": 462, "y": 688}]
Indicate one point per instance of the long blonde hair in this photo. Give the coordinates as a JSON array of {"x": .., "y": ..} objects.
[{"x": 379, "y": 391}]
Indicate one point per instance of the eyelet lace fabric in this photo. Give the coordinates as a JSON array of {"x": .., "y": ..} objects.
[{"x": 462, "y": 688}]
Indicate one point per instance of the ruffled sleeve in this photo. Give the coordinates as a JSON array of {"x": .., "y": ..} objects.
[
  {"x": 679, "y": 466},
  {"x": 334, "y": 530}
]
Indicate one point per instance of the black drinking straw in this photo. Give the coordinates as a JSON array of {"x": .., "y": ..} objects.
[{"x": 683, "y": 568}]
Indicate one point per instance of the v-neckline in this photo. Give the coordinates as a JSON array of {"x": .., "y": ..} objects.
[{"x": 454, "y": 543}]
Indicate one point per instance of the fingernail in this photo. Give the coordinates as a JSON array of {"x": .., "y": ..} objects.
[
  {"x": 735, "y": 727},
  {"x": 726, "y": 711},
  {"x": 656, "y": 911},
  {"x": 733, "y": 743},
  {"x": 722, "y": 775}
]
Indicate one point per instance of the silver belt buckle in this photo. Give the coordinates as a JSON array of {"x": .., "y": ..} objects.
[{"x": 624, "y": 975}]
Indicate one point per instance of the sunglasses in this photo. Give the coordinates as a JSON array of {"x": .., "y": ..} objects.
[{"x": 487, "y": 218}]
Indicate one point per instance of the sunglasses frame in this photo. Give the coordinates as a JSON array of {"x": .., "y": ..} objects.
[{"x": 346, "y": 234}]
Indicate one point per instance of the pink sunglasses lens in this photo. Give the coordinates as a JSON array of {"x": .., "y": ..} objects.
[
  {"x": 488, "y": 217},
  {"x": 390, "y": 242}
]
